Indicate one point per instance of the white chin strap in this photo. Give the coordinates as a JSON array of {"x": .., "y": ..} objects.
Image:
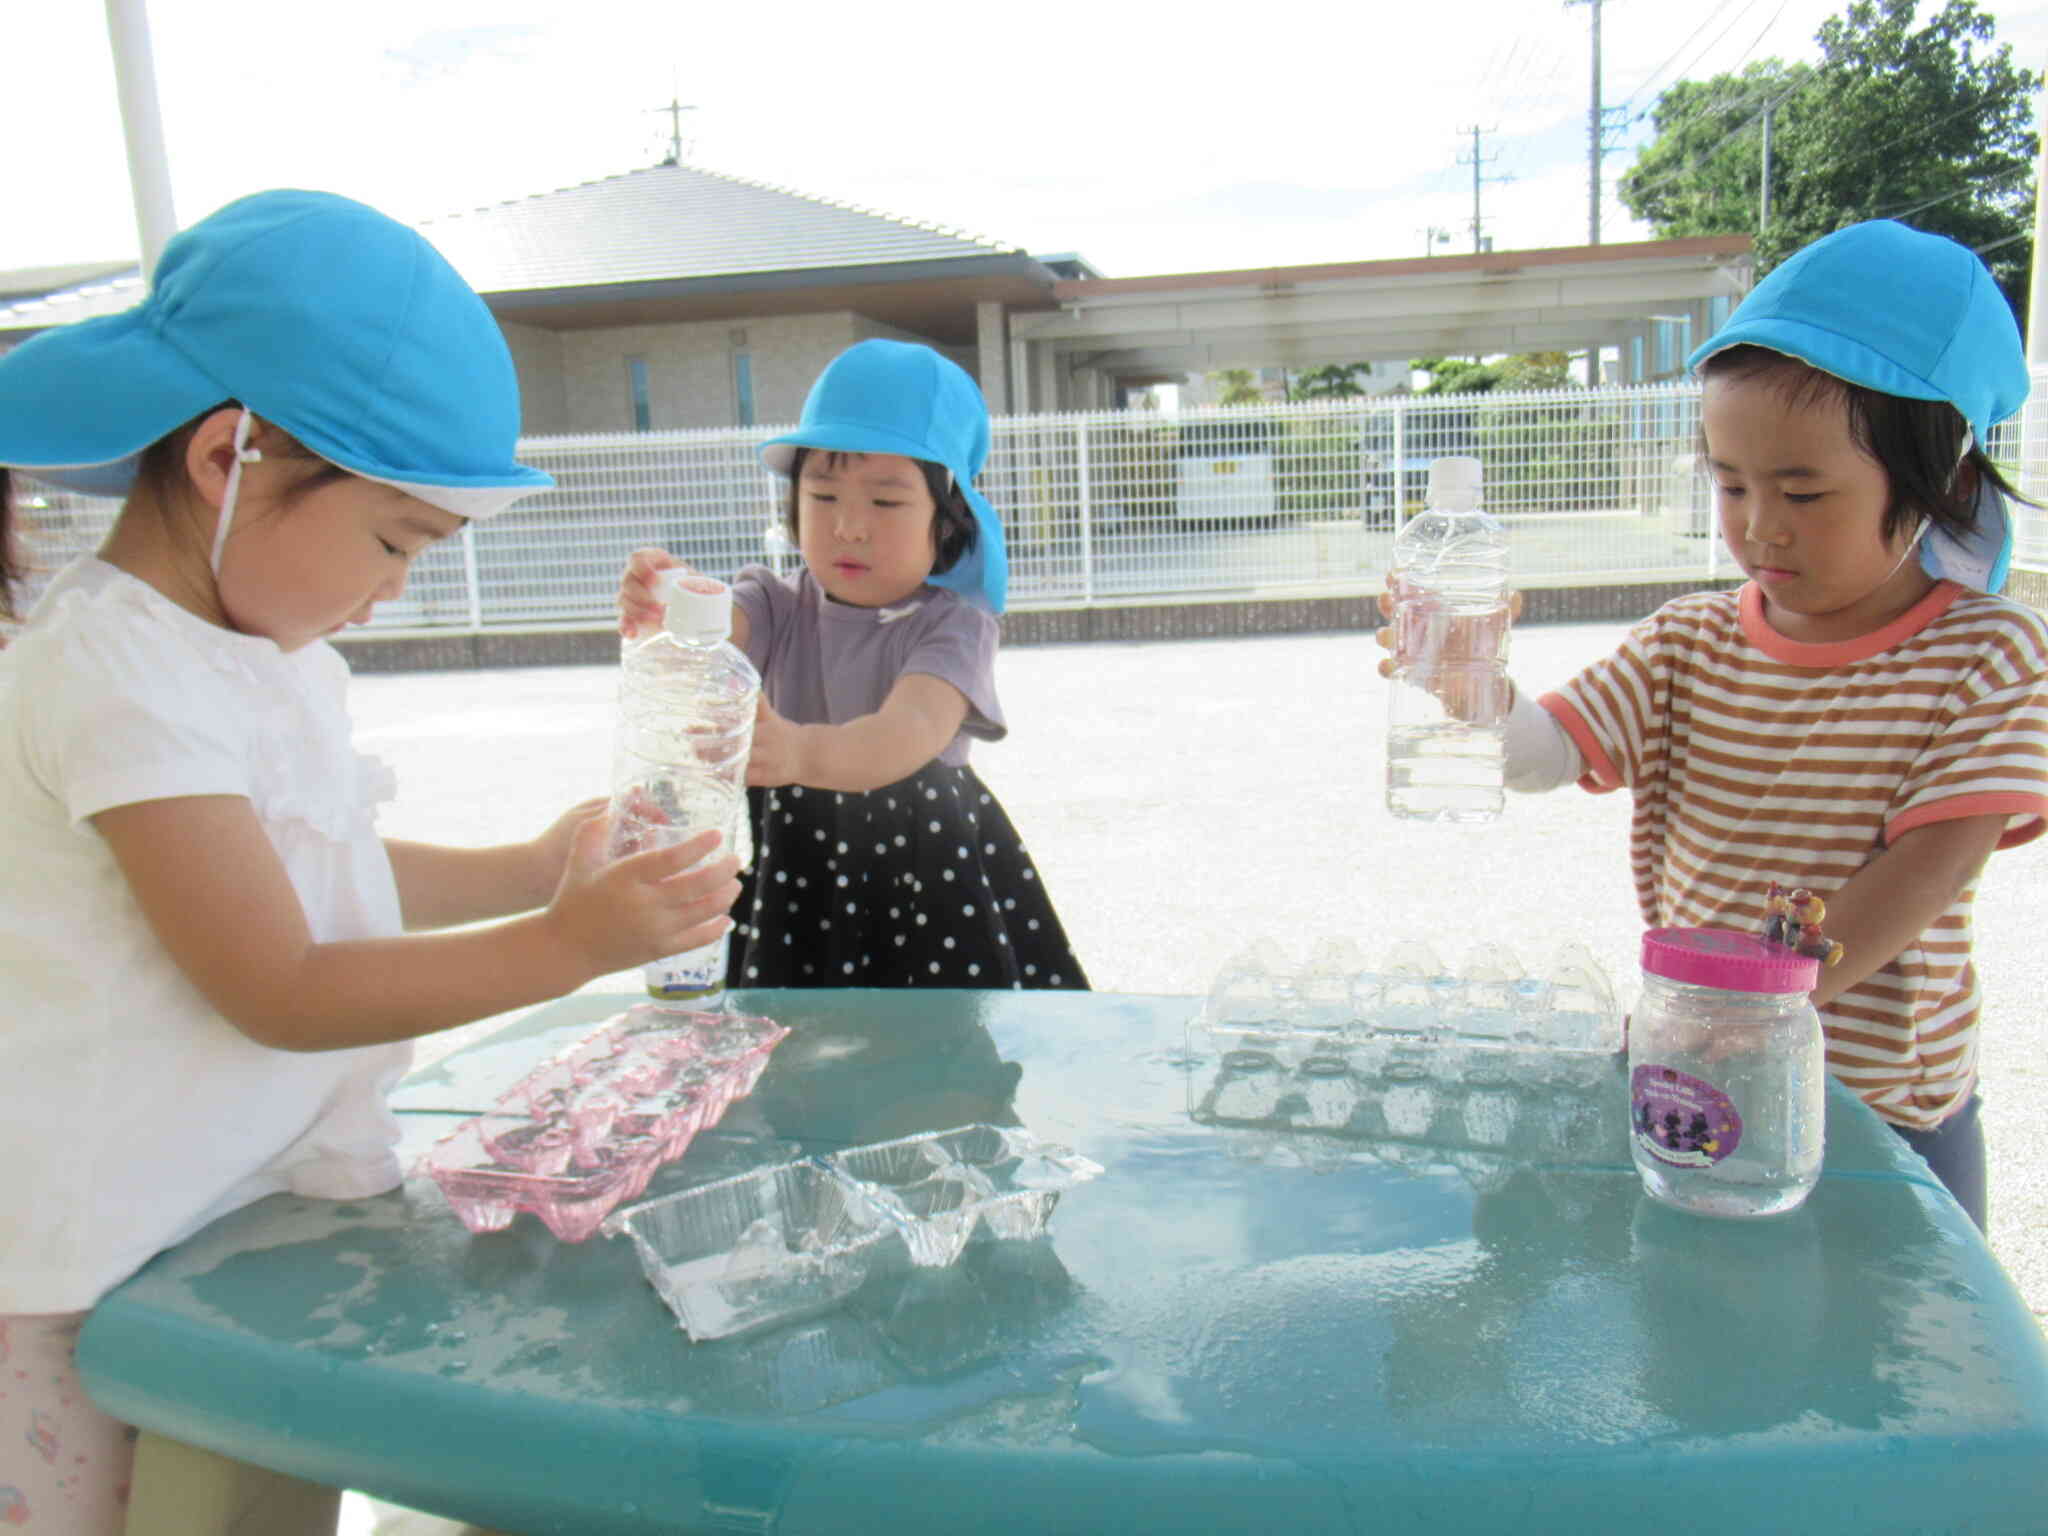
[
  {"x": 1911, "y": 545},
  {"x": 244, "y": 454}
]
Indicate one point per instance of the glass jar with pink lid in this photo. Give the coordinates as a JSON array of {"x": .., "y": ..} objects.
[{"x": 1727, "y": 1074}]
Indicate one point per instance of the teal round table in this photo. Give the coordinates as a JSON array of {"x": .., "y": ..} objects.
[{"x": 1234, "y": 1328}]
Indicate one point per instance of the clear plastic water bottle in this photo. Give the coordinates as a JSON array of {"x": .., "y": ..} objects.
[
  {"x": 1727, "y": 1074},
  {"x": 685, "y": 727},
  {"x": 1447, "y": 710}
]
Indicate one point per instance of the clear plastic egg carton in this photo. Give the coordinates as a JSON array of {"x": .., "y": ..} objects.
[
  {"x": 1488, "y": 1062},
  {"x": 1410, "y": 1120},
  {"x": 798, "y": 1239},
  {"x": 1411, "y": 1015},
  {"x": 585, "y": 1131}
]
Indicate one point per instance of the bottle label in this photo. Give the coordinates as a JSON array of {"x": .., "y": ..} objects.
[
  {"x": 694, "y": 974},
  {"x": 1682, "y": 1120}
]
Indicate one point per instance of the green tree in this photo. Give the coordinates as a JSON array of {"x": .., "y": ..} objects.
[
  {"x": 1236, "y": 386},
  {"x": 1462, "y": 376},
  {"x": 1931, "y": 125},
  {"x": 1337, "y": 381}
]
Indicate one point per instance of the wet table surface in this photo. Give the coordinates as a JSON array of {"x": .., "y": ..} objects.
[{"x": 1449, "y": 1309}]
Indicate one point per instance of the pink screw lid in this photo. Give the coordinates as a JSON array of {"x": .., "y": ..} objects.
[{"x": 1734, "y": 962}]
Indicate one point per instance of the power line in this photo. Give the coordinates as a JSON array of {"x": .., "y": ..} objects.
[
  {"x": 1713, "y": 149},
  {"x": 1696, "y": 31}
]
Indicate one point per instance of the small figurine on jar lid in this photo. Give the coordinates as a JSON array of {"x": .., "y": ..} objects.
[{"x": 1793, "y": 919}]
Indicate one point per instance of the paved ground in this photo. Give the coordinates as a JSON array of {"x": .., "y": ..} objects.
[{"x": 1185, "y": 798}]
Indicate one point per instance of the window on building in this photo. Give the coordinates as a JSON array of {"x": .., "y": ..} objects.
[
  {"x": 636, "y": 386},
  {"x": 743, "y": 387}
]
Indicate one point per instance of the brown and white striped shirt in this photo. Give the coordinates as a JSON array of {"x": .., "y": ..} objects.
[{"x": 1755, "y": 758}]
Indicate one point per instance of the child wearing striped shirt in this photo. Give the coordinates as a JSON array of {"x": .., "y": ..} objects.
[{"x": 1853, "y": 719}]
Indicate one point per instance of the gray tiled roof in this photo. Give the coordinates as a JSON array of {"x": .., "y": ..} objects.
[
  {"x": 675, "y": 223},
  {"x": 667, "y": 224}
]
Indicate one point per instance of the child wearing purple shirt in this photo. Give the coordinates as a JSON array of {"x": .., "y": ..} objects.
[{"x": 882, "y": 860}]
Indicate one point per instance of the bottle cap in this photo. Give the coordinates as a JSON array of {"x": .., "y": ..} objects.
[
  {"x": 1454, "y": 483},
  {"x": 1734, "y": 962},
  {"x": 695, "y": 607}
]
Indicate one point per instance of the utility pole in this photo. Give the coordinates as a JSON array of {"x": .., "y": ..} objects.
[
  {"x": 1478, "y": 241},
  {"x": 1763, "y": 195},
  {"x": 1595, "y": 132}
]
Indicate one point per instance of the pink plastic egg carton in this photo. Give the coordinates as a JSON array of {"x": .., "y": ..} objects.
[{"x": 587, "y": 1129}]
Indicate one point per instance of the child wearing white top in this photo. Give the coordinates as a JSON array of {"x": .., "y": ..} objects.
[{"x": 209, "y": 977}]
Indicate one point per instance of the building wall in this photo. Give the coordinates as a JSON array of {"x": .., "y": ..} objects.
[
  {"x": 537, "y": 357},
  {"x": 691, "y": 376},
  {"x": 867, "y": 329}
]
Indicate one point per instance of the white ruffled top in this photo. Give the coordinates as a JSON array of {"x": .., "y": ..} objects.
[{"x": 131, "y": 1113}]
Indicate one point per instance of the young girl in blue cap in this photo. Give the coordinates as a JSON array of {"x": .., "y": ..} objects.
[
  {"x": 1863, "y": 718},
  {"x": 882, "y": 859},
  {"x": 207, "y": 969}
]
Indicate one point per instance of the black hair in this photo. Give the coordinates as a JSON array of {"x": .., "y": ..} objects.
[
  {"x": 1917, "y": 443},
  {"x": 160, "y": 468},
  {"x": 954, "y": 531},
  {"x": 12, "y": 568}
]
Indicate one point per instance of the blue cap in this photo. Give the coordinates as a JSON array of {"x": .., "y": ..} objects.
[
  {"x": 901, "y": 398},
  {"x": 339, "y": 325},
  {"x": 1896, "y": 310},
  {"x": 1905, "y": 313}
]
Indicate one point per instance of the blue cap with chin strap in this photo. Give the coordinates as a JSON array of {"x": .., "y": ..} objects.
[
  {"x": 320, "y": 315},
  {"x": 900, "y": 398},
  {"x": 1906, "y": 313}
]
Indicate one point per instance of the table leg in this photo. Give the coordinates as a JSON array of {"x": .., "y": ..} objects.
[{"x": 179, "y": 1490}]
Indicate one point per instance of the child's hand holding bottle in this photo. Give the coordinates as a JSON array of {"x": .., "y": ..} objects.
[
  {"x": 640, "y": 603},
  {"x": 614, "y": 914},
  {"x": 1460, "y": 689}
]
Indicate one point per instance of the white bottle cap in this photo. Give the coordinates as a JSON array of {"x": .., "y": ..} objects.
[
  {"x": 695, "y": 607},
  {"x": 1454, "y": 483}
]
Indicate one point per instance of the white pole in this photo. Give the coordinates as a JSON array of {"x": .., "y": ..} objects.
[
  {"x": 149, "y": 173},
  {"x": 2033, "y": 464},
  {"x": 2037, "y": 290}
]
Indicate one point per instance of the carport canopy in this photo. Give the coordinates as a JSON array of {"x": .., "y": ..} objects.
[{"x": 1110, "y": 332}]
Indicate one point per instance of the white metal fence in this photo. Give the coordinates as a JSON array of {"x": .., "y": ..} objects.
[{"x": 1104, "y": 508}]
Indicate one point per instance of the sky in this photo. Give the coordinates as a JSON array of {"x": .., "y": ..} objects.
[{"x": 1141, "y": 136}]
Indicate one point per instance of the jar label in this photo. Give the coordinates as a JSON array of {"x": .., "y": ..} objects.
[{"x": 1680, "y": 1119}]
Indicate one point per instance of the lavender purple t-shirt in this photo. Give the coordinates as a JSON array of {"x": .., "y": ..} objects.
[{"x": 825, "y": 663}]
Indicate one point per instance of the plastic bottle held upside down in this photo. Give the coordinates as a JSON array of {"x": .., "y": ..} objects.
[
  {"x": 679, "y": 765},
  {"x": 1448, "y": 706}
]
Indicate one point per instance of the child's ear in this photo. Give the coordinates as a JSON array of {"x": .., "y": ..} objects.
[{"x": 210, "y": 455}]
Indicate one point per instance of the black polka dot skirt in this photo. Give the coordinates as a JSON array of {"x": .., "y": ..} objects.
[{"x": 922, "y": 883}]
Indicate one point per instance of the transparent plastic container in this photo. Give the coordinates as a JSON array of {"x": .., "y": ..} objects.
[
  {"x": 585, "y": 1131},
  {"x": 789, "y": 1242},
  {"x": 1447, "y": 710},
  {"x": 685, "y": 728},
  {"x": 1483, "y": 1066},
  {"x": 1727, "y": 1074}
]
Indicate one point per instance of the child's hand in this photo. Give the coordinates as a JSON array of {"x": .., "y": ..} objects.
[
  {"x": 1466, "y": 691},
  {"x": 640, "y": 611},
  {"x": 1479, "y": 642},
  {"x": 774, "y": 759},
  {"x": 614, "y": 915},
  {"x": 549, "y": 853}
]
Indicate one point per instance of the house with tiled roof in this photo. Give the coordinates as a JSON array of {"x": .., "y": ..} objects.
[
  {"x": 678, "y": 297},
  {"x": 675, "y": 297}
]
